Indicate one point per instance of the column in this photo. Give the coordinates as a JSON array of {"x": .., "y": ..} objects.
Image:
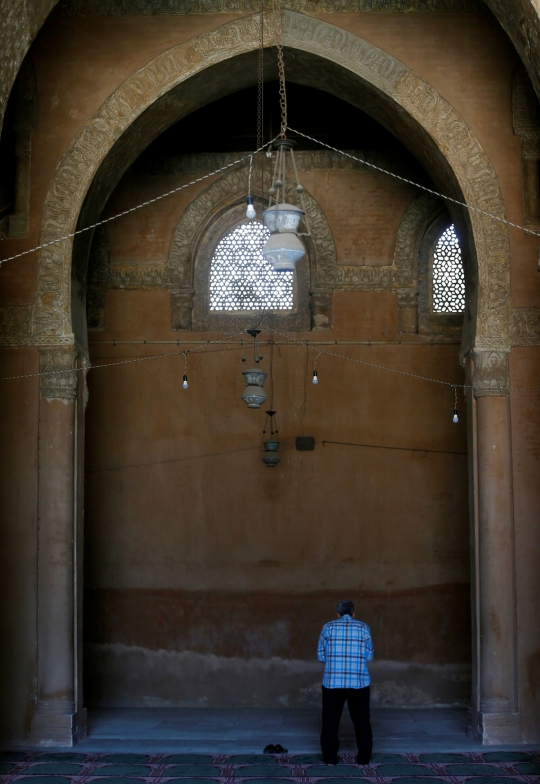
[
  {"x": 57, "y": 720},
  {"x": 497, "y": 714}
]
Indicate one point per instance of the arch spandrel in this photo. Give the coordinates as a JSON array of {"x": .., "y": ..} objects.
[{"x": 403, "y": 87}]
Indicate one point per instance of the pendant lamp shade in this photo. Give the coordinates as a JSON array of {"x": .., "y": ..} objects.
[
  {"x": 283, "y": 251},
  {"x": 254, "y": 394},
  {"x": 283, "y": 217}
]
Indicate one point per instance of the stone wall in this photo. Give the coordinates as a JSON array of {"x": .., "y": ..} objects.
[{"x": 178, "y": 521}]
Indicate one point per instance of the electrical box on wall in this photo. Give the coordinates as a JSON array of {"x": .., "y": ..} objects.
[{"x": 305, "y": 443}]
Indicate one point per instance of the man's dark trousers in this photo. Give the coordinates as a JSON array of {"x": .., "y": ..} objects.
[{"x": 333, "y": 701}]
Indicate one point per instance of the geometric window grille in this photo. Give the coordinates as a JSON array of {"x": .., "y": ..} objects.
[
  {"x": 448, "y": 276},
  {"x": 240, "y": 276}
]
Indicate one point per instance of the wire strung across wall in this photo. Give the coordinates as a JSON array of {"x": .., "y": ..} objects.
[
  {"x": 245, "y": 160},
  {"x": 288, "y": 340}
]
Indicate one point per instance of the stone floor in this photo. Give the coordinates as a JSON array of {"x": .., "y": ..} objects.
[
  {"x": 201, "y": 746},
  {"x": 230, "y": 731}
]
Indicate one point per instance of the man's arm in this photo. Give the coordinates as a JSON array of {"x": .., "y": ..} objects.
[
  {"x": 369, "y": 645},
  {"x": 321, "y": 648}
]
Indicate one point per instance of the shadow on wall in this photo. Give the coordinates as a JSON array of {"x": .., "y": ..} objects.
[
  {"x": 129, "y": 676},
  {"x": 180, "y": 649}
]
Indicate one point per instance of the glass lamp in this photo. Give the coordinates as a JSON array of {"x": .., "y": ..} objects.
[
  {"x": 283, "y": 217},
  {"x": 254, "y": 394},
  {"x": 283, "y": 251}
]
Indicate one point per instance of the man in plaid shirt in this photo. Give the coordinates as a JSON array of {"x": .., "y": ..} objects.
[{"x": 345, "y": 647}]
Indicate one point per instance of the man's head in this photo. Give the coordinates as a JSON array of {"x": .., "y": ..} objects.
[{"x": 345, "y": 608}]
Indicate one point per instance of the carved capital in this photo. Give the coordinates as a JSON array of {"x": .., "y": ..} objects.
[
  {"x": 407, "y": 298},
  {"x": 408, "y": 311},
  {"x": 59, "y": 374},
  {"x": 181, "y": 309},
  {"x": 491, "y": 373},
  {"x": 530, "y": 146},
  {"x": 320, "y": 304}
]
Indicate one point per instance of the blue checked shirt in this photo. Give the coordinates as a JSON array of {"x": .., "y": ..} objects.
[{"x": 345, "y": 647}]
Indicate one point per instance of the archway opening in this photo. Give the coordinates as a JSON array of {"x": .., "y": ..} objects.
[{"x": 207, "y": 575}]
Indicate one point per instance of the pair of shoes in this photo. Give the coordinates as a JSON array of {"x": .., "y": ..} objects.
[{"x": 271, "y": 749}]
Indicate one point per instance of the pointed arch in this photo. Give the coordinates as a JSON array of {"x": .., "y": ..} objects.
[{"x": 417, "y": 101}]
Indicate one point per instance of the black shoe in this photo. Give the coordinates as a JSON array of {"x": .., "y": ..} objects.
[
  {"x": 278, "y": 749},
  {"x": 270, "y": 749},
  {"x": 362, "y": 760},
  {"x": 331, "y": 761}
]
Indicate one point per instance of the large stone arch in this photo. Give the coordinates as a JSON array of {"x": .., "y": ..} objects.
[
  {"x": 419, "y": 101},
  {"x": 457, "y": 163}
]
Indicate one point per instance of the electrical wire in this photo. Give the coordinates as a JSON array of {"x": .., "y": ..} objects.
[
  {"x": 243, "y": 159},
  {"x": 289, "y": 340},
  {"x": 417, "y": 185},
  {"x": 249, "y": 155}
]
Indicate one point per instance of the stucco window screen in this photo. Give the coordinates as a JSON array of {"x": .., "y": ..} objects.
[
  {"x": 448, "y": 275},
  {"x": 242, "y": 279}
]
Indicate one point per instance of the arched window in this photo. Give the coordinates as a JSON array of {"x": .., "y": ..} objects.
[
  {"x": 242, "y": 279},
  {"x": 448, "y": 276}
]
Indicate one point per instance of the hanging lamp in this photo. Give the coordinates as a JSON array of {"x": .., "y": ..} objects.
[
  {"x": 283, "y": 249},
  {"x": 271, "y": 445},
  {"x": 254, "y": 394}
]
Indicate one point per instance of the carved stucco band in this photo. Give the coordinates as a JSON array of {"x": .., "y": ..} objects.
[
  {"x": 491, "y": 372},
  {"x": 325, "y": 275},
  {"x": 525, "y": 326},
  {"x": 165, "y": 7},
  {"x": 454, "y": 138}
]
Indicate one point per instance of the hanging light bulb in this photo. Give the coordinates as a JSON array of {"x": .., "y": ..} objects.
[
  {"x": 250, "y": 211},
  {"x": 315, "y": 379},
  {"x": 185, "y": 384},
  {"x": 455, "y": 418}
]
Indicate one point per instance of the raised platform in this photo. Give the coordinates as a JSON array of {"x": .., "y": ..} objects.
[{"x": 249, "y": 730}]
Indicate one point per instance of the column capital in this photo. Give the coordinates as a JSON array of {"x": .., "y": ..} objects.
[
  {"x": 491, "y": 377},
  {"x": 59, "y": 377}
]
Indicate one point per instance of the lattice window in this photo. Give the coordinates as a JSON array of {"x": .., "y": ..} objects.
[
  {"x": 448, "y": 276},
  {"x": 242, "y": 279}
]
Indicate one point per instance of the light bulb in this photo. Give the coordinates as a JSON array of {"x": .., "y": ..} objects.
[
  {"x": 185, "y": 384},
  {"x": 455, "y": 418},
  {"x": 315, "y": 379},
  {"x": 250, "y": 211}
]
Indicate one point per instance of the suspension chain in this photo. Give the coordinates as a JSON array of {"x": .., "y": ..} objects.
[
  {"x": 281, "y": 69},
  {"x": 260, "y": 81}
]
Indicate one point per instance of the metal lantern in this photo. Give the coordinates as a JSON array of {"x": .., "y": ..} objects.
[
  {"x": 271, "y": 445},
  {"x": 270, "y": 460},
  {"x": 254, "y": 394}
]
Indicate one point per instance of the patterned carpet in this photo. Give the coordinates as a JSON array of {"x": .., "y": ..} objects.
[{"x": 62, "y": 768}]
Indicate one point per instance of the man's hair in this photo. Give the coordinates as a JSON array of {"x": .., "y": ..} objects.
[{"x": 345, "y": 607}]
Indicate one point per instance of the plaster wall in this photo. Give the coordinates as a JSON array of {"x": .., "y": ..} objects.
[
  {"x": 208, "y": 575},
  {"x": 79, "y": 61}
]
